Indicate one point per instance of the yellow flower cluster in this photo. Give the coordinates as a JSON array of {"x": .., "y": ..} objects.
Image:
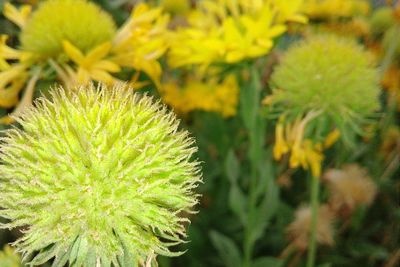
[
  {"x": 68, "y": 36},
  {"x": 227, "y": 31},
  {"x": 209, "y": 95},
  {"x": 79, "y": 42},
  {"x": 290, "y": 137},
  {"x": 330, "y": 9}
]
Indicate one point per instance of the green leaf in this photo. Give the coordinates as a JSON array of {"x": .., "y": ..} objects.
[
  {"x": 227, "y": 249},
  {"x": 265, "y": 211},
  {"x": 232, "y": 167},
  {"x": 238, "y": 202},
  {"x": 267, "y": 262}
]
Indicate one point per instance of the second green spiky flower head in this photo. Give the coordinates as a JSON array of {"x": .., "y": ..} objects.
[
  {"x": 98, "y": 177},
  {"x": 329, "y": 75}
]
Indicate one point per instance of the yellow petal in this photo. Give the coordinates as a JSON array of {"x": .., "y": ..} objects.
[
  {"x": 9, "y": 96},
  {"x": 107, "y": 65},
  {"x": 7, "y": 52},
  {"x": 102, "y": 76},
  {"x": 73, "y": 52},
  {"x": 26, "y": 100},
  {"x": 331, "y": 138},
  {"x": 98, "y": 53},
  {"x": 18, "y": 16}
]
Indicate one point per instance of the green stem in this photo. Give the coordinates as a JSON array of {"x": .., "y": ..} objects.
[
  {"x": 253, "y": 104},
  {"x": 312, "y": 245}
]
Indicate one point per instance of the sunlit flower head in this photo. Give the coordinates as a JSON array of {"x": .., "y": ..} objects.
[
  {"x": 97, "y": 176},
  {"x": 349, "y": 187},
  {"x": 299, "y": 230},
  {"x": 322, "y": 84},
  {"x": 80, "y": 22},
  {"x": 226, "y": 31},
  {"x": 76, "y": 42},
  {"x": 203, "y": 94}
]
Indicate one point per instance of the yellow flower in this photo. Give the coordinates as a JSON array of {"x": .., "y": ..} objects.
[
  {"x": 209, "y": 95},
  {"x": 304, "y": 152},
  {"x": 142, "y": 40},
  {"x": 226, "y": 31},
  {"x": 93, "y": 66}
]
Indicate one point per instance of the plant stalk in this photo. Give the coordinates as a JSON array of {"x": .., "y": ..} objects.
[{"x": 312, "y": 245}]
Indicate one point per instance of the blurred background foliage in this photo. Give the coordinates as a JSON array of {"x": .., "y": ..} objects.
[{"x": 366, "y": 235}]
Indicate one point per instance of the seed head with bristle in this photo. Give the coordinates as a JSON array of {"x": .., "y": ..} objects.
[
  {"x": 97, "y": 177},
  {"x": 299, "y": 230}
]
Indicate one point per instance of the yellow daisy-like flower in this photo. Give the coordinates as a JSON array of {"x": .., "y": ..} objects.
[
  {"x": 226, "y": 31},
  {"x": 209, "y": 95},
  {"x": 80, "y": 43},
  {"x": 92, "y": 66}
]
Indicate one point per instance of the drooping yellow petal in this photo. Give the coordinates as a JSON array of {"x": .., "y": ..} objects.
[
  {"x": 9, "y": 95},
  {"x": 26, "y": 100},
  {"x": 331, "y": 138},
  {"x": 18, "y": 16},
  {"x": 281, "y": 146},
  {"x": 7, "y": 52}
]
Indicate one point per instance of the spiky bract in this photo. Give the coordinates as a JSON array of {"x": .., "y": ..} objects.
[
  {"x": 80, "y": 22},
  {"x": 329, "y": 75},
  {"x": 97, "y": 176}
]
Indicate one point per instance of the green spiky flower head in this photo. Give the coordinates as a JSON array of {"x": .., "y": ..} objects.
[
  {"x": 331, "y": 76},
  {"x": 97, "y": 177},
  {"x": 80, "y": 22}
]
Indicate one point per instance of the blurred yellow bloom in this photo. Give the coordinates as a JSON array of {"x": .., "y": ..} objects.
[
  {"x": 142, "y": 40},
  {"x": 226, "y": 31},
  {"x": 209, "y": 95},
  {"x": 289, "y": 137},
  {"x": 93, "y": 66},
  {"x": 328, "y": 9}
]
